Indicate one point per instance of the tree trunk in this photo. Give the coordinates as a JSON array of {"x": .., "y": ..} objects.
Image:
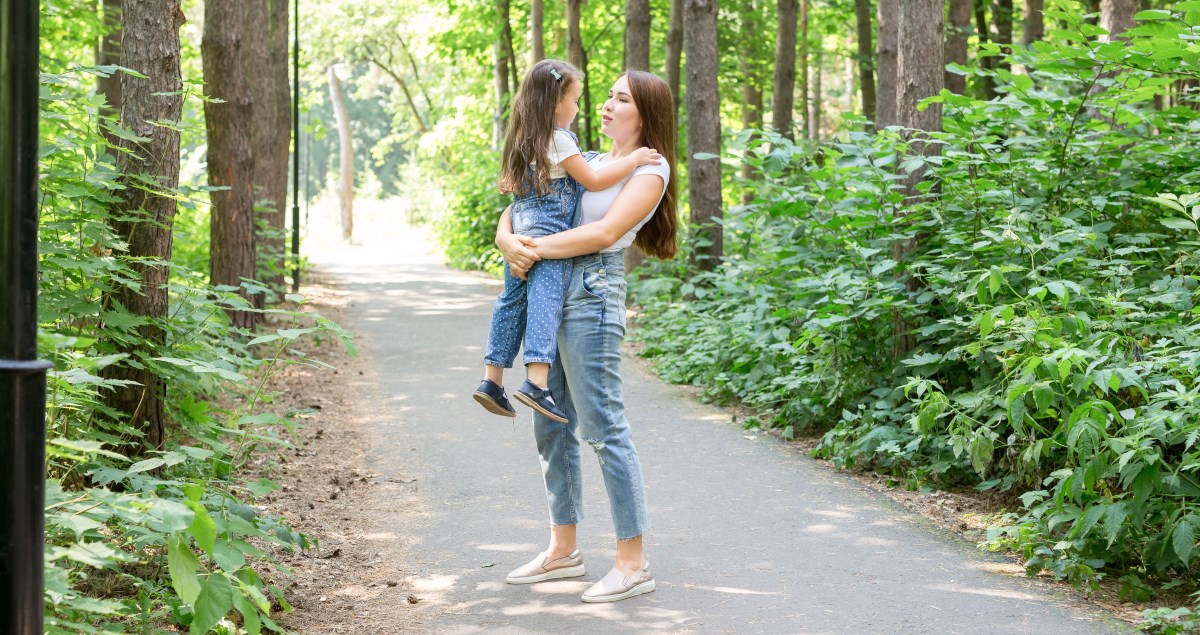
[
  {"x": 1002, "y": 23},
  {"x": 230, "y": 159},
  {"x": 675, "y": 49},
  {"x": 1034, "y": 28},
  {"x": 751, "y": 93},
  {"x": 704, "y": 129},
  {"x": 346, "y": 153},
  {"x": 987, "y": 84},
  {"x": 279, "y": 143},
  {"x": 1116, "y": 17},
  {"x": 921, "y": 33},
  {"x": 637, "y": 35},
  {"x": 501, "y": 59},
  {"x": 537, "y": 39},
  {"x": 575, "y": 49},
  {"x": 802, "y": 63},
  {"x": 866, "y": 57},
  {"x": 783, "y": 95},
  {"x": 849, "y": 75},
  {"x": 108, "y": 53},
  {"x": 885, "y": 53},
  {"x": 256, "y": 66},
  {"x": 958, "y": 31},
  {"x": 815, "y": 96},
  {"x": 149, "y": 45}
]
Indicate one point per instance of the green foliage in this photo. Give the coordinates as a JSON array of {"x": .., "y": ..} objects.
[
  {"x": 467, "y": 233},
  {"x": 170, "y": 537},
  {"x": 1051, "y": 291}
]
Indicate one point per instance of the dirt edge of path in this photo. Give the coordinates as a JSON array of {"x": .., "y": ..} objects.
[{"x": 356, "y": 577}]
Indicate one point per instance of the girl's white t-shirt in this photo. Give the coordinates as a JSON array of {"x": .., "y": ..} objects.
[
  {"x": 562, "y": 147},
  {"x": 596, "y": 204}
]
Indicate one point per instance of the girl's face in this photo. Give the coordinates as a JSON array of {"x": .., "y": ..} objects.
[
  {"x": 568, "y": 106},
  {"x": 619, "y": 118}
]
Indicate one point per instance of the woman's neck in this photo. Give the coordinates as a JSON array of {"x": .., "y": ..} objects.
[{"x": 623, "y": 148}]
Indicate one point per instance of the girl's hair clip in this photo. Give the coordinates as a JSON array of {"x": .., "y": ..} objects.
[{"x": 557, "y": 76}]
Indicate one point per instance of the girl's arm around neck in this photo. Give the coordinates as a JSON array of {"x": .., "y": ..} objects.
[
  {"x": 602, "y": 178},
  {"x": 636, "y": 200}
]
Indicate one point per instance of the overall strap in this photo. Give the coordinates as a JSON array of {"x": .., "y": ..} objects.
[{"x": 577, "y": 217}]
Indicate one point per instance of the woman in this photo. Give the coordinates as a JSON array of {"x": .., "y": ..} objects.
[{"x": 586, "y": 379}]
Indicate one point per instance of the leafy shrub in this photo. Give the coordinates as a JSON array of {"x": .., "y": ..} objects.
[
  {"x": 468, "y": 229},
  {"x": 1051, "y": 294},
  {"x": 173, "y": 538}
]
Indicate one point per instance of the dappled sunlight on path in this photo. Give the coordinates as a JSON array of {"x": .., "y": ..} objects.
[{"x": 748, "y": 536}]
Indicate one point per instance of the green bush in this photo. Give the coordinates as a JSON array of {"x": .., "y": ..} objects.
[
  {"x": 171, "y": 536},
  {"x": 467, "y": 232},
  {"x": 1051, "y": 296}
]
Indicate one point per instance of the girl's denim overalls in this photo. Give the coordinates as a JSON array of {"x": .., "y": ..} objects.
[{"x": 532, "y": 308}]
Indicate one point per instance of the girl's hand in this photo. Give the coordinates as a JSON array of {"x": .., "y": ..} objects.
[
  {"x": 646, "y": 156},
  {"x": 518, "y": 252}
]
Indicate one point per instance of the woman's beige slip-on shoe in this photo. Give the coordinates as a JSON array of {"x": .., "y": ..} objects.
[
  {"x": 540, "y": 569},
  {"x": 618, "y": 586}
]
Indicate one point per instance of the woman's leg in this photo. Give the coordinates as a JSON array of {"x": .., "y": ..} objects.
[
  {"x": 558, "y": 448},
  {"x": 593, "y": 327}
]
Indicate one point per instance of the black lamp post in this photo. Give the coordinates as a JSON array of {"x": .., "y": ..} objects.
[
  {"x": 296, "y": 147},
  {"x": 22, "y": 377}
]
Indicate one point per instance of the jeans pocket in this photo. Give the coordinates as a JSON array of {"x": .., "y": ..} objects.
[{"x": 595, "y": 280}]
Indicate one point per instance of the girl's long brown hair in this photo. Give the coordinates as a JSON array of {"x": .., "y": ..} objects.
[
  {"x": 531, "y": 126},
  {"x": 656, "y": 106}
]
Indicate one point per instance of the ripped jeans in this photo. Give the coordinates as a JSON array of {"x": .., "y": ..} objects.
[{"x": 586, "y": 381}]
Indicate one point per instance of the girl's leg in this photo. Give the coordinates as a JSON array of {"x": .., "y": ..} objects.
[
  {"x": 546, "y": 286},
  {"x": 508, "y": 324},
  {"x": 538, "y": 373}
]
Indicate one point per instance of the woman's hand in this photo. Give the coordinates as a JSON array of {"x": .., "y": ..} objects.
[{"x": 518, "y": 252}]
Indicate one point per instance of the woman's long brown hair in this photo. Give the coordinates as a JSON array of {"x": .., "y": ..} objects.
[
  {"x": 656, "y": 106},
  {"x": 531, "y": 126}
]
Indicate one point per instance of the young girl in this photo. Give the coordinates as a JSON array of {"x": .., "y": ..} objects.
[{"x": 542, "y": 167}]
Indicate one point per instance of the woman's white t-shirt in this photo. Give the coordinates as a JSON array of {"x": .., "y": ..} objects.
[{"x": 595, "y": 204}]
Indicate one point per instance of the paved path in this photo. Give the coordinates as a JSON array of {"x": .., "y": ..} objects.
[{"x": 748, "y": 536}]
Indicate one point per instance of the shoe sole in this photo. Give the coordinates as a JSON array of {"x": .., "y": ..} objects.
[
  {"x": 644, "y": 587},
  {"x": 521, "y": 397},
  {"x": 565, "y": 572},
  {"x": 491, "y": 406}
]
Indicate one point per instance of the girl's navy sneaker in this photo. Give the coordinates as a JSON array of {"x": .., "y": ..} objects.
[
  {"x": 541, "y": 400},
  {"x": 491, "y": 395}
]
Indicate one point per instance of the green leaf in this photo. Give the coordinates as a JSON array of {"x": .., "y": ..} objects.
[
  {"x": 262, "y": 487},
  {"x": 183, "y": 566},
  {"x": 1058, "y": 289},
  {"x": 146, "y": 465},
  {"x": 987, "y": 322},
  {"x": 213, "y": 604},
  {"x": 249, "y": 612},
  {"x": 1016, "y": 406},
  {"x": 203, "y": 529},
  {"x": 228, "y": 557},
  {"x": 1183, "y": 538},
  {"x": 1184, "y": 224}
]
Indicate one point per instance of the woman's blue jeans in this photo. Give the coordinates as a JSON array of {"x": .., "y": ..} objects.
[{"x": 586, "y": 381}]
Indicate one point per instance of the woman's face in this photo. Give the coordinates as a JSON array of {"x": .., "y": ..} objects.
[{"x": 619, "y": 118}]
